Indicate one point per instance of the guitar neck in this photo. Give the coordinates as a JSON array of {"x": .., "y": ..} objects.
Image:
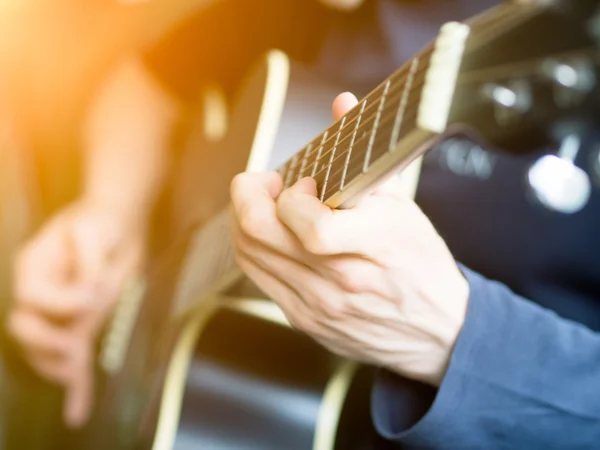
[{"x": 384, "y": 131}]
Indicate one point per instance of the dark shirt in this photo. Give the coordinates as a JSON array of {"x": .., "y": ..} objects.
[{"x": 220, "y": 43}]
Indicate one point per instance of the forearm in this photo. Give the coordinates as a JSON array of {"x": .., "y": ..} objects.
[
  {"x": 520, "y": 377},
  {"x": 127, "y": 140}
]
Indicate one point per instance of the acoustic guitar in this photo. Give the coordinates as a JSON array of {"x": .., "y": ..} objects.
[{"x": 196, "y": 357}]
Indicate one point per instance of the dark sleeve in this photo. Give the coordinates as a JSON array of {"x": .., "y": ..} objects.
[
  {"x": 219, "y": 44},
  {"x": 520, "y": 377}
]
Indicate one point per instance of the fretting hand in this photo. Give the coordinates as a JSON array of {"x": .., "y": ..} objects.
[{"x": 374, "y": 283}]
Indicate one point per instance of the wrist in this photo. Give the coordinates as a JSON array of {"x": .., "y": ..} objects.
[
  {"x": 439, "y": 335},
  {"x": 450, "y": 327},
  {"x": 127, "y": 211}
]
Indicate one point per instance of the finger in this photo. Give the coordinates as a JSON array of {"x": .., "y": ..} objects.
[
  {"x": 49, "y": 254},
  {"x": 54, "y": 369},
  {"x": 268, "y": 184},
  {"x": 124, "y": 268},
  {"x": 342, "y": 104},
  {"x": 60, "y": 302},
  {"x": 303, "y": 213},
  {"x": 43, "y": 277},
  {"x": 35, "y": 334},
  {"x": 307, "y": 283},
  {"x": 254, "y": 216},
  {"x": 79, "y": 387},
  {"x": 292, "y": 306},
  {"x": 323, "y": 231}
]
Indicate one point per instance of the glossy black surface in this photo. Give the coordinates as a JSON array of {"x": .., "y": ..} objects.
[{"x": 253, "y": 384}]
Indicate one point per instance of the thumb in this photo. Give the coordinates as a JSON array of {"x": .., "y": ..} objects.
[
  {"x": 79, "y": 387},
  {"x": 342, "y": 104}
]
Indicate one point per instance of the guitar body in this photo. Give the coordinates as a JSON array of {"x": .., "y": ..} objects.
[{"x": 229, "y": 372}]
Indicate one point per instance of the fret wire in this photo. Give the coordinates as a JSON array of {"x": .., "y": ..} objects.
[
  {"x": 394, "y": 78},
  {"x": 364, "y": 124},
  {"x": 282, "y": 169},
  {"x": 355, "y": 170},
  {"x": 412, "y": 114},
  {"x": 372, "y": 103},
  {"x": 307, "y": 151},
  {"x": 327, "y": 136},
  {"x": 375, "y": 125},
  {"x": 349, "y": 152},
  {"x": 328, "y": 147},
  {"x": 403, "y": 100},
  {"x": 290, "y": 171},
  {"x": 368, "y": 120},
  {"x": 331, "y": 158},
  {"x": 316, "y": 164},
  {"x": 415, "y": 95},
  {"x": 356, "y": 163}
]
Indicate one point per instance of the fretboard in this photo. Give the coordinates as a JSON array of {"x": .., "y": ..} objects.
[
  {"x": 348, "y": 148},
  {"x": 404, "y": 112}
]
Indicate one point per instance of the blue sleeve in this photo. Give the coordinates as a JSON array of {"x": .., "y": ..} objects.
[{"x": 520, "y": 377}]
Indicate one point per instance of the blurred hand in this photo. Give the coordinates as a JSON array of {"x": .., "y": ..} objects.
[
  {"x": 375, "y": 283},
  {"x": 66, "y": 280}
]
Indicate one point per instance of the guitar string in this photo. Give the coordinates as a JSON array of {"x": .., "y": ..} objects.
[
  {"x": 384, "y": 121},
  {"x": 410, "y": 113},
  {"x": 361, "y": 128},
  {"x": 365, "y": 120},
  {"x": 478, "y": 21},
  {"x": 354, "y": 164},
  {"x": 354, "y": 170},
  {"x": 372, "y": 99}
]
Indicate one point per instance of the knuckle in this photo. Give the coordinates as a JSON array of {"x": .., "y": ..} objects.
[
  {"x": 354, "y": 282},
  {"x": 237, "y": 183},
  {"x": 349, "y": 276},
  {"x": 253, "y": 222},
  {"x": 318, "y": 239},
  {"x": 286, "y": 197},
  {"x": 335, "y": 309}
]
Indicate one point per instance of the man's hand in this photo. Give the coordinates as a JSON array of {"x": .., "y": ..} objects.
[
  {"x": 374, "y": 283},
  {"x": 66, "y": 281}
]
